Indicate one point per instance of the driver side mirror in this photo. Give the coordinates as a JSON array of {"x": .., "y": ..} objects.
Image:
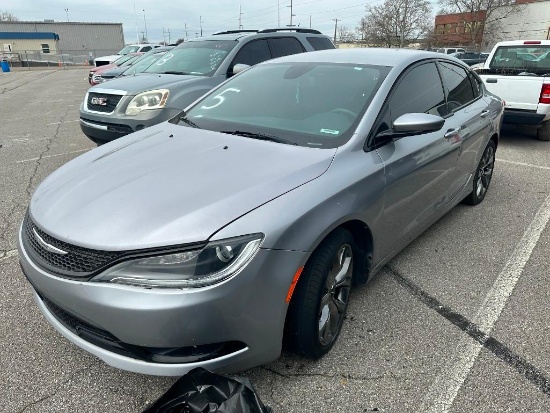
[
  {"x": 238, "y": 68},
  {"x": 415, "y": 123}
]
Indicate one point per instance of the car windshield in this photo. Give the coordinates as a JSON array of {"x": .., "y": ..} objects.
[
  {"x": 143, "y": 63},
  {"x": 307, "y": 104},
  {"x": 200, "y": 58},
  {"x": 123, "y": 59},
  {"x": 530, "y": 58},
  {"x": 129, "y": 49}
]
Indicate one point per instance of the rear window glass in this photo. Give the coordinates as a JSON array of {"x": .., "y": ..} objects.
[
  {"x": 320, "y": 43},
  {"x": 531, "y": 58}
]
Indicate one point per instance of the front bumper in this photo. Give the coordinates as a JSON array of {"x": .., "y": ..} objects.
[{"x": 249, "y": 309}]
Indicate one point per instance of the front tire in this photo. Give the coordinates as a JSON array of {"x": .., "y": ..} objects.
[
  {"x": 318, "y": 308},
  {"x": 483, "y": 175}
]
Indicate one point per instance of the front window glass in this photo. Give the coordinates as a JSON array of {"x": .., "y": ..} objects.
[
  {"x": 307, "y": 104},
  {"x": 531, "y": 58},
  {"x": 419, "y": 91},
  {"x": 200, "y": 58}
]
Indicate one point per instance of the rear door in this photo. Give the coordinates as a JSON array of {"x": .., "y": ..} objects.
[{"x": 471, "y": 117}]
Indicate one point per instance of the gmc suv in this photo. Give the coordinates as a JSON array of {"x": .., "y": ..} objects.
[{"x": 182, "y": 75}]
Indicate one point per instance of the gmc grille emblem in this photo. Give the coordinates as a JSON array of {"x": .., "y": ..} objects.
[
  {"x": 100, "y": 101},
  {"x": 46, "y": 246}
]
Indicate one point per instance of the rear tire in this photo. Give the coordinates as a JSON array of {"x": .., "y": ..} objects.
[
  {"x": 319, "y": 305},
  {"x": 543, "y": 133},
  {"x": 483, "y": 175}
]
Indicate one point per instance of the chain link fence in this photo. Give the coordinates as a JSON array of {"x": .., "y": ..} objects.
[{"x": 29, "y": 59}]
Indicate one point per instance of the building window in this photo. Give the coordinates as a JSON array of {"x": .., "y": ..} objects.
[
  {"x": 440, "y": 29},
  {"x": 448, "y": 28},
  {"x": 45, "y": 48}
]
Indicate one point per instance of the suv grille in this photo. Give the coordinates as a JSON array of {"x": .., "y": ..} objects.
[
  {"x": 102, "y": 102},
  {"x": 77, "y": 262}
]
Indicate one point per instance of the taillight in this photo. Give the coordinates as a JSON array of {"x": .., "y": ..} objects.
[
  {"x": 545, "y": 93},
  {"x": 532, "y": 42}
]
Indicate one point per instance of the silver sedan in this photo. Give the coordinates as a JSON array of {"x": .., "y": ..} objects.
[{"x": 241, "y": 225}]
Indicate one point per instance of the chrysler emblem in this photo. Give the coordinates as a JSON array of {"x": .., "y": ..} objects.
[
  {"x": 100, "y": 101},
  {"x": 46, "y": 246}
]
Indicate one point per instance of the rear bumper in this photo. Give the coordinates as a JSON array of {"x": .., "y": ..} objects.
[{"x": 523, "y": 117}]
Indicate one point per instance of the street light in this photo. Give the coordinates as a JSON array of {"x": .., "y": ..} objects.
[
  {"x": 145, "y": 22},
  {"x": 67, "y": 11}
]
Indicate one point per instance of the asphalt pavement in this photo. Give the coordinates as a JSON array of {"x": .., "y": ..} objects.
[{"x": 457, "y": 322}]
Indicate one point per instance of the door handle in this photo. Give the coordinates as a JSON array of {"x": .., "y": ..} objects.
[
  {"x": 491, "y": 80},
  {"x": 451, "y": 132},
  {"x": 485, "y": 113}
]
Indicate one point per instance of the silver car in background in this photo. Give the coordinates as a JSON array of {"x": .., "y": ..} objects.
[{"x": 241, "y": 224}]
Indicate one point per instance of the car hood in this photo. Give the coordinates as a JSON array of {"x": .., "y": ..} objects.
[
  {"x": 168, "y": 185},
  {"x": 104, "y": 68},
  {"x": 147, "y": 81},
  {"x": 110, "y": 57}
]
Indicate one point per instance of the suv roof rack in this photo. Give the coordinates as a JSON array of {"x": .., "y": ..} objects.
[
  {"x": 235, "y": 31},
  {"x": 296, "y": 29}
]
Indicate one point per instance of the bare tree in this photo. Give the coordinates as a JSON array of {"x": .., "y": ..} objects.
[
  {"x": 483, "y": 15},
  {"x": 345, "y": 34},
  {"x": 362, "y": 29},
  {"x": 397, "y": 22},
  {"x": 6, "y": 16}
]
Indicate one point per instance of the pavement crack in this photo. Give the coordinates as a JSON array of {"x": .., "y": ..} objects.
[
  {"x": 347, "y": 376},
  {"x": 26, "y": 83},
  {"x": 58, "y": 388}
]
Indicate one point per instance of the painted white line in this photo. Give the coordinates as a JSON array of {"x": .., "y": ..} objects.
[
  {"x": 65, "y": 121},
  {"x": 52, "y": 156},
  {"x": 442, "y": 392},
  {"x": 9, "y": 254},
  {"x": 529, "y": 165}
]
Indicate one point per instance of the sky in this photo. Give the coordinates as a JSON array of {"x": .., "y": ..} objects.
[{"x": 183, "y": 19}]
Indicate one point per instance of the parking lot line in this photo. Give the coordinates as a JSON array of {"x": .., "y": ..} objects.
[
  {"x": 51, "y": 156},
  {"x": 441, "y": 395},
  {"x": 530, "y": 165}
]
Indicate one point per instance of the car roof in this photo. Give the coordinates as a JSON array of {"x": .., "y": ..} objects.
[
  {"x": 368, "y": 56},
  {"x": 240, "y": 34}
]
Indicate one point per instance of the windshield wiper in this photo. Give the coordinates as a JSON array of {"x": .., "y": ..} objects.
[
  {"x": 174, "y": 72},
  {"x": 259, "y": 136},
  {"x": 183, "y": 118}
]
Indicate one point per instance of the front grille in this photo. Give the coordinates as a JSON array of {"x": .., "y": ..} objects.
[
  {"x": 102, "y": 102},
  {"x": 77, "y": 262}
]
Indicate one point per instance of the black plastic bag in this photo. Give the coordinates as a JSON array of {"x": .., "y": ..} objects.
[{"x": 201, "y": 391}]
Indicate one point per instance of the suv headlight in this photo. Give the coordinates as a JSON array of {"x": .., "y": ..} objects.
[
  {"x": 215, "y": 262},
  {"x": 97, "y": 79},
  {"x": 153, "y": 99}
]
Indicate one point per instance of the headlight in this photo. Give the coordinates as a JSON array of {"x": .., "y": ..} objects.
[
  {"x": 216, "y": 262},
  {"x": 153, "y": 99},
  {"x": 97, "y": 79}
]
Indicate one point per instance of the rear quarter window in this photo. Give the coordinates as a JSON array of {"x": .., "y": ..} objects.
[
  {"x": 284, "y": 46},
  {"x": 320, "y": 43}
]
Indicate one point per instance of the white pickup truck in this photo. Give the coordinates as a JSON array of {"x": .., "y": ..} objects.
[{"x": 519, "y": 72}]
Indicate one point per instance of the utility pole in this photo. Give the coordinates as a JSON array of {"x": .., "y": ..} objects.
[
  {"x": 291, "y": 15},
  {"x": 279, "y": 14},
  {"x": 402, "y": 37},
  {"x": 163, "y": 37},
  {"x": 200, "y": 23},
  {"x": 145, "y": 21},
  {"x": 310, "y": 21},
  {"x": 240, "y": 14},
  {"x": 135, "y": 16},
  {"x": 335, "y": 27},
  {"x": 186, "y": 36},
  {"x": 169, "y": 37}
]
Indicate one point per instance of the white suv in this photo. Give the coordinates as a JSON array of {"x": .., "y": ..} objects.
[{"x": 132, "y": 48}]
